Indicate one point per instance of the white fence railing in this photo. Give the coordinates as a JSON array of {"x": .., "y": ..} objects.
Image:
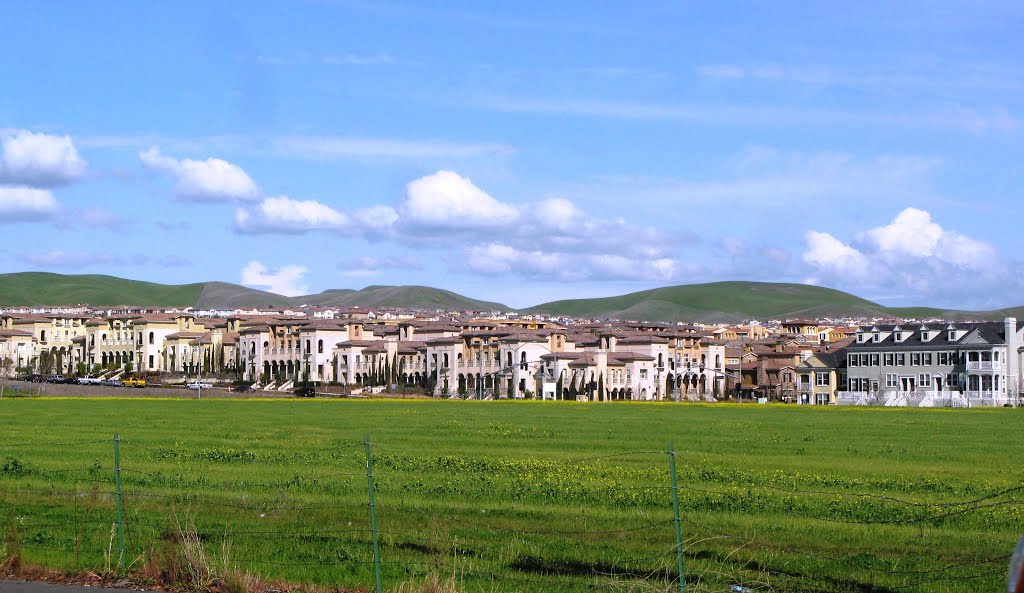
[{"x": 927, "y": 399}]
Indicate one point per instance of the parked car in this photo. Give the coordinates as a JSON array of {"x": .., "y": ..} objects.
[
  {"x": 112, "y": 383},
  {"x": 198, "y": 385},
  {"x": 134, "y": 382},
  {"x": 71, "y": 380},
  {"x": 33, "y": 378},
  {"x": 244, "y": 388},
  {"x": 55, "y": 379},
  {"x": 306, "y": 391}
]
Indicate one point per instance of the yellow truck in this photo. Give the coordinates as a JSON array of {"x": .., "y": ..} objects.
[{"x": 134, "y": 382}]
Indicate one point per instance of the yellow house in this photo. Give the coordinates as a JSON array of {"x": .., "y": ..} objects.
[{"x": 16, "y": 346}]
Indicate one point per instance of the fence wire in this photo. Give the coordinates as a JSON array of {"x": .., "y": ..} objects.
[{"x": 492, "y": 535}]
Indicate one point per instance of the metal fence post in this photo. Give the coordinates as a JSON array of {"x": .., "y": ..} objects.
[
  {"x": 675, "y": 508},
  {"x": 120, "y": 504},
  {"x": 373, "y": 514}
]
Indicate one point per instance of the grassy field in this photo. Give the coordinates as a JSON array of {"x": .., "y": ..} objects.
[{"x": 521, "y": 496}]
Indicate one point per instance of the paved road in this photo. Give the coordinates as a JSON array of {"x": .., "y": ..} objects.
[{"x": 28, "y": 587}]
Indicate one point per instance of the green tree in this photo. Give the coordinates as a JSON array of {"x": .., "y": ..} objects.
[
  {"x": 6, "y": 366},
  {"x": 45, "y": 362},
  {"x": 558, "y": 387},
  {"x": 387, "y": 371},
  {"x": 394, "y": 368},
  {"x": 81, "y": 369},
  {"x": 572, "y": 388},
  {"x": 128, "y": 368},
  {"x": 600, "y": 387}
]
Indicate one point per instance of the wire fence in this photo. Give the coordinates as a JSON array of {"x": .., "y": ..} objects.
[{"x": 360, "y": 515}]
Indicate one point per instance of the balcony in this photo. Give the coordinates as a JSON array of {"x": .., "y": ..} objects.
[{"x": 984, "y": 365}]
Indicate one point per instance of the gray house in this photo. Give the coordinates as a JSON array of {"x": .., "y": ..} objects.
[{"x": 944, "y": 364}]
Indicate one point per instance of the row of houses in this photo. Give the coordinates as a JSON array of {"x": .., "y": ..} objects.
[{"x": 507, "y": 356}]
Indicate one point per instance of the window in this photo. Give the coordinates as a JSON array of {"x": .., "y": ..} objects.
[
  {"x": 943, "y": 357},
  {"x": 915, "y": 359},
  {"x": 924, "y": 380},
  {"x": 150, "y": 361},
  {"x": 865, "y": 360},
  {"x": 901, "y": 359},
  {"x": 892, "y": 380},
  {"x": 889, "y": 359},
  {"x": 874, "y": 359},
  {"x": 853, "y": 360},
  {"x": 821, "y": 379},
  {"x": 320, "y": 346},
  {"x": 926, "y": 359}
]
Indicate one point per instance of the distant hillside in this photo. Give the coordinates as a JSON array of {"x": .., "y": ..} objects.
[
  {"x": 726, "y": 302},
  {"x": 730, "y": 302},
  {"x": 401, "y": 297},
  {"x": 41, "y": 288},
  {"x": 38, "y": 288}
]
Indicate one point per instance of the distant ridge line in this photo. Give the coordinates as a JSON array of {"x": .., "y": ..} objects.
[{"x": 722, "y": 302}]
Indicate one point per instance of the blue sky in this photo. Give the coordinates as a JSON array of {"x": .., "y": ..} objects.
[{"x": 519, "y": 152}]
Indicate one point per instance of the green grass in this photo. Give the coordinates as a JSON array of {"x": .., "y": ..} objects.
[{"x": 527, "y": 496}]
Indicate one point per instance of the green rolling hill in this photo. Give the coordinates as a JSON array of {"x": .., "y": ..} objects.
[
  {"x": 730, "y": 302},
  {"x": 40, "y": 288},
  {"x": 727, "y": 302}
]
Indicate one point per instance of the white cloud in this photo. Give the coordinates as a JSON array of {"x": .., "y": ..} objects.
[
  {"x": 38, "y": 160},
  {"x": 58, "y": 258},
  {"x": 828, "y": 253},
  {"x": 212, "y": 180},
  {"x": 376, "y": 218},
  {"x": 360, "y": 59},
  {"x": 912, "y": 254},
  {"x": 972, "y": 77},
  {"x": 617, "y": 267},
  {"x": 557, "y": 213},
  {"x": 991, "y": 119},
  {"x": 285, "y": 281},
  {"x": 499, "y": 259},
  {"x": 733, "y": 246},
  {"x": 284, "y": 215},
  {"x": 449, "y": 200},
  {"x": 914, "y": 235},
  {"x": 368, "y": 265},
  {"x": 18, "y": 204},
  {"x": 329, "y": 147}
]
